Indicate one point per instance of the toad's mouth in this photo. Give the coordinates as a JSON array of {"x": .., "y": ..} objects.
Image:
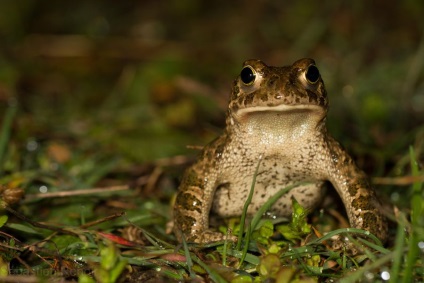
[{"x": 283, "y": 109}]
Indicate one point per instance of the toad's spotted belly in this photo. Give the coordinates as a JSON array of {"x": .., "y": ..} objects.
[
  {"x": 229, "y": 200},
  {"x": 274, "y": 174}
]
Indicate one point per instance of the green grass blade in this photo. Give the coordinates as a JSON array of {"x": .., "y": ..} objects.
[
  {"x": 189, "y": 259},
  {"x": 267, "y": 205},
  {"x": 246, "y": 246},
  {"x": 416, "y": 213},
  {"x": 250, "y": 258},
  {"x": 357, "y": 275},
  {"x": 212, "y": 273},
  {"x": 329, "y": 235},
  {"x": 224, "y": 253},
  {"x": 398, "y": 250},
  {"x": 246, "y": 205}
]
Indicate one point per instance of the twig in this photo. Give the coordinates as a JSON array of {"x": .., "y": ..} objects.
[
  {"x": 19, "y": 279},
  {"x": 398, "y": 181},
  {"x": 78, "y": 192},
  {"x": 153, "y": 178},
  {"x": 107, "y": 218},
  {"x": 10, "y": 247},
  {"x": 37, "y": 224},
  {"x": 172, "y": 161}
]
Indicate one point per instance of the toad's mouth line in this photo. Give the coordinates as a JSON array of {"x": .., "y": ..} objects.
[{"x": 283, "y": 108}]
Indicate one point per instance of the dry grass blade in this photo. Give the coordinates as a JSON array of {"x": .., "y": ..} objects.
[
  {"x": 93, "y": 191},
  {"x": 398, "y": 181}
]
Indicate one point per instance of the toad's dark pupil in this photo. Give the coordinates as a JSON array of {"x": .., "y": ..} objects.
[
  {"x": 312, "y": 74},
  {"x": 247, "y": 75}
]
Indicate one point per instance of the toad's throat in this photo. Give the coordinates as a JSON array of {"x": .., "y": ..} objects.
[{"x": 281, "y": 120}]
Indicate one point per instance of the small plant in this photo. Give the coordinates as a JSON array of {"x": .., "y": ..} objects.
[{"x": 110, "y": 267}]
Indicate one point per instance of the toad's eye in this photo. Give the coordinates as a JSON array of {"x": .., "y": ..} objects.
[
  {"x": 248, "y": 75},
  {"x": 312, "y": 74}
]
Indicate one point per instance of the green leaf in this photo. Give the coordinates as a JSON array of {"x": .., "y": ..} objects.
[
  {"x": 23, "y": 228},
  {"x": 264, "y": 232},
  {"x": 269, "y": 266},
  {"x": 109, "y": 256},
  {"x": 298, "y": 227},
  {"x": 3, "y": 220},
  {"x": 242, "y": 279},
  {"x": 84, "y": 278},
  {"x": 117, "y": 270},
  {"x": 64, "y": 241}
]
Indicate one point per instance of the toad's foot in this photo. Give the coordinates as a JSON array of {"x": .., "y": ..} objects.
[{"x": 209, "y": 236}]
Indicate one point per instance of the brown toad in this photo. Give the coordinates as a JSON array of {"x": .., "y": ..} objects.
[{"x": 277, "y": 114}]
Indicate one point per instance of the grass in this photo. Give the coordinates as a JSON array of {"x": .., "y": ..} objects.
[{"x": 98, "y": 251}]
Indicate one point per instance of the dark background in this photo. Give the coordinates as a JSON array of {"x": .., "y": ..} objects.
[{"x": 141, "y": 80}]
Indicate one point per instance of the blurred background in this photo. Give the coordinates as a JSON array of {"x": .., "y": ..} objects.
[{"x": 136, "y": 81}]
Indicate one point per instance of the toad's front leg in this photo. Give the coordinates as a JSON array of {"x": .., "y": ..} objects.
[
  {"x": 192, "y": 207},
  {"x": 361, "y": 203}
]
